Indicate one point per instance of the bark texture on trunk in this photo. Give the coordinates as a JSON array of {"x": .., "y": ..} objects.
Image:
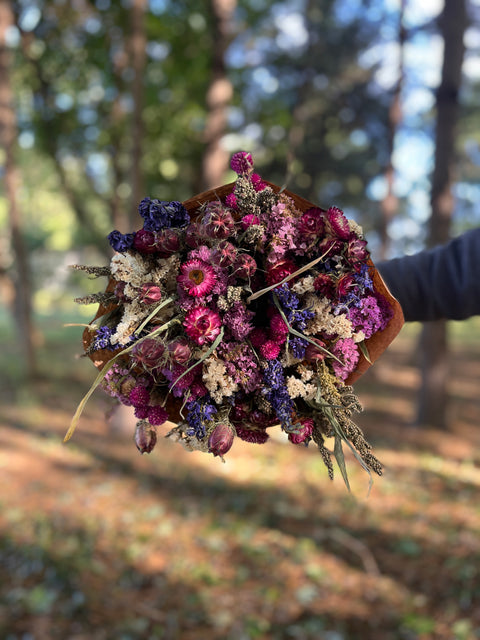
[
  {"x": 219, "y": 96},
  {"x": 22, "y": 303},
  {"x": 389, "y": 204},
  {"x": 433, "y": 401},
  {"x": 139, "y": 53}
]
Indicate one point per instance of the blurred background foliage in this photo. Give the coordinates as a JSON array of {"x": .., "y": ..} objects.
[
  {"x": 309, "y": 88},
  {"x": 103, "y": 102}
]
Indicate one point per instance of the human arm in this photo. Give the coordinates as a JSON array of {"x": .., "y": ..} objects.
[{"x": 440, "y": 283}]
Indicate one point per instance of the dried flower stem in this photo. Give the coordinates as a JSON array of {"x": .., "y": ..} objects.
[
  {"x": 296, "y": 273},
  {"x": 103, "y": 373},
  {"x": 96, "y": 272}
]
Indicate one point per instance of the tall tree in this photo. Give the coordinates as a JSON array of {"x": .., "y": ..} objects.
[
  {"x": 219, "y": 96},
  {"x": 389, "y": 203},
  {"x": 139, "y": 56},
  {"x": 22, "y": 306},
  {"x": 434, "y": 353}
]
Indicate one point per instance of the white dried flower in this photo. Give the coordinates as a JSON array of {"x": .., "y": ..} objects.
[
  {"x": 215, "y": 378},
  {"x": 130, "y": 268},
  {"x": 304, "y": 285},
  {"x": 298, "y": 389},
  {"x": 325, "y": 320},
  {"x": 355, "y": 228}
]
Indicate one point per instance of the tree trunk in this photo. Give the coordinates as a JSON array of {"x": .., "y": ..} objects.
[
  {"x": 219, "y": 95},
  {"x": 22, "y": 304},
  {"x": 138, "y": 50},
  {"x": 389, "y": 204},
  {"x": 433, "y": 343}
]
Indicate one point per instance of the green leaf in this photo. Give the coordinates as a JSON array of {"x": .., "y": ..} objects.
[
  {"x": 340, "y": 458},
  {"x": 364, "y": 349}
]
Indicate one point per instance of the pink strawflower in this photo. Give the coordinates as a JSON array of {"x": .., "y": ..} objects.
[
  {"x": 202, "y": 325},
  {"x": 357, "y": 251},
  {"x": 304, "y": 432},
  {"x": 197, "y": 278},
  {"x": 242, "y": 163},
  {"x": 270, "y": 350},
  {"x": 311, "y": 223},
  {"x": 338, "y": 223},
  {"x": 139, "y": 396},
  {"x": 248, "y": 220},
  {"x": 157, "y": 415}
]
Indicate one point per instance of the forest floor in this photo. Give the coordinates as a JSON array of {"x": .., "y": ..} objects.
[{"x": 98, "y": 542}]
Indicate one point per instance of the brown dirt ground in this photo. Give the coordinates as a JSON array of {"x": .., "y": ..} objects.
[{"x": 98, "y": 542}]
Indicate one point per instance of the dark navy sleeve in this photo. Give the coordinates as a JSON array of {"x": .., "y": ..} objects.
[{"x": 443, "y": 282}]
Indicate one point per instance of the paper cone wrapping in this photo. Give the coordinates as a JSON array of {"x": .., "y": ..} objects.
[{"x": 376, "y": 344}]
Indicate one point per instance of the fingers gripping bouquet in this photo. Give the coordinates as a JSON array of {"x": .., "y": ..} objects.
[{"x": 243, "y": 308}]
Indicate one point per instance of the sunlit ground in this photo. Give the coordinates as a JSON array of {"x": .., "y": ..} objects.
[{"x": 99, "y": 542}]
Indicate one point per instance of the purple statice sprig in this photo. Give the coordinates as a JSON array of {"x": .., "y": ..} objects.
[
  {"x": 159, "y": 214},
  {"x": 199, "y": 413},
  {"x": 275, "y": 391},
  {"x": 121, "y": 242},
  {"x": 102, "y": 338},
  {"x": 296, "y": 333},
  {"x": 290, "y": 302}
]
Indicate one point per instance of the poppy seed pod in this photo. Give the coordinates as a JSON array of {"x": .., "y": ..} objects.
[
  {"x": 221, "y": 439},
  {"x": 145, "y": 436}
]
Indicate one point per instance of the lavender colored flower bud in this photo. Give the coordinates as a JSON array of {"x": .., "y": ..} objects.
[
  {"x": 150, "y": 293},
  {"x": 221, "y": 439},
  {"x": 180, "y": 352},
  {"x": 148, "y": 352},
  {"x": 145, "y": 436}
]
